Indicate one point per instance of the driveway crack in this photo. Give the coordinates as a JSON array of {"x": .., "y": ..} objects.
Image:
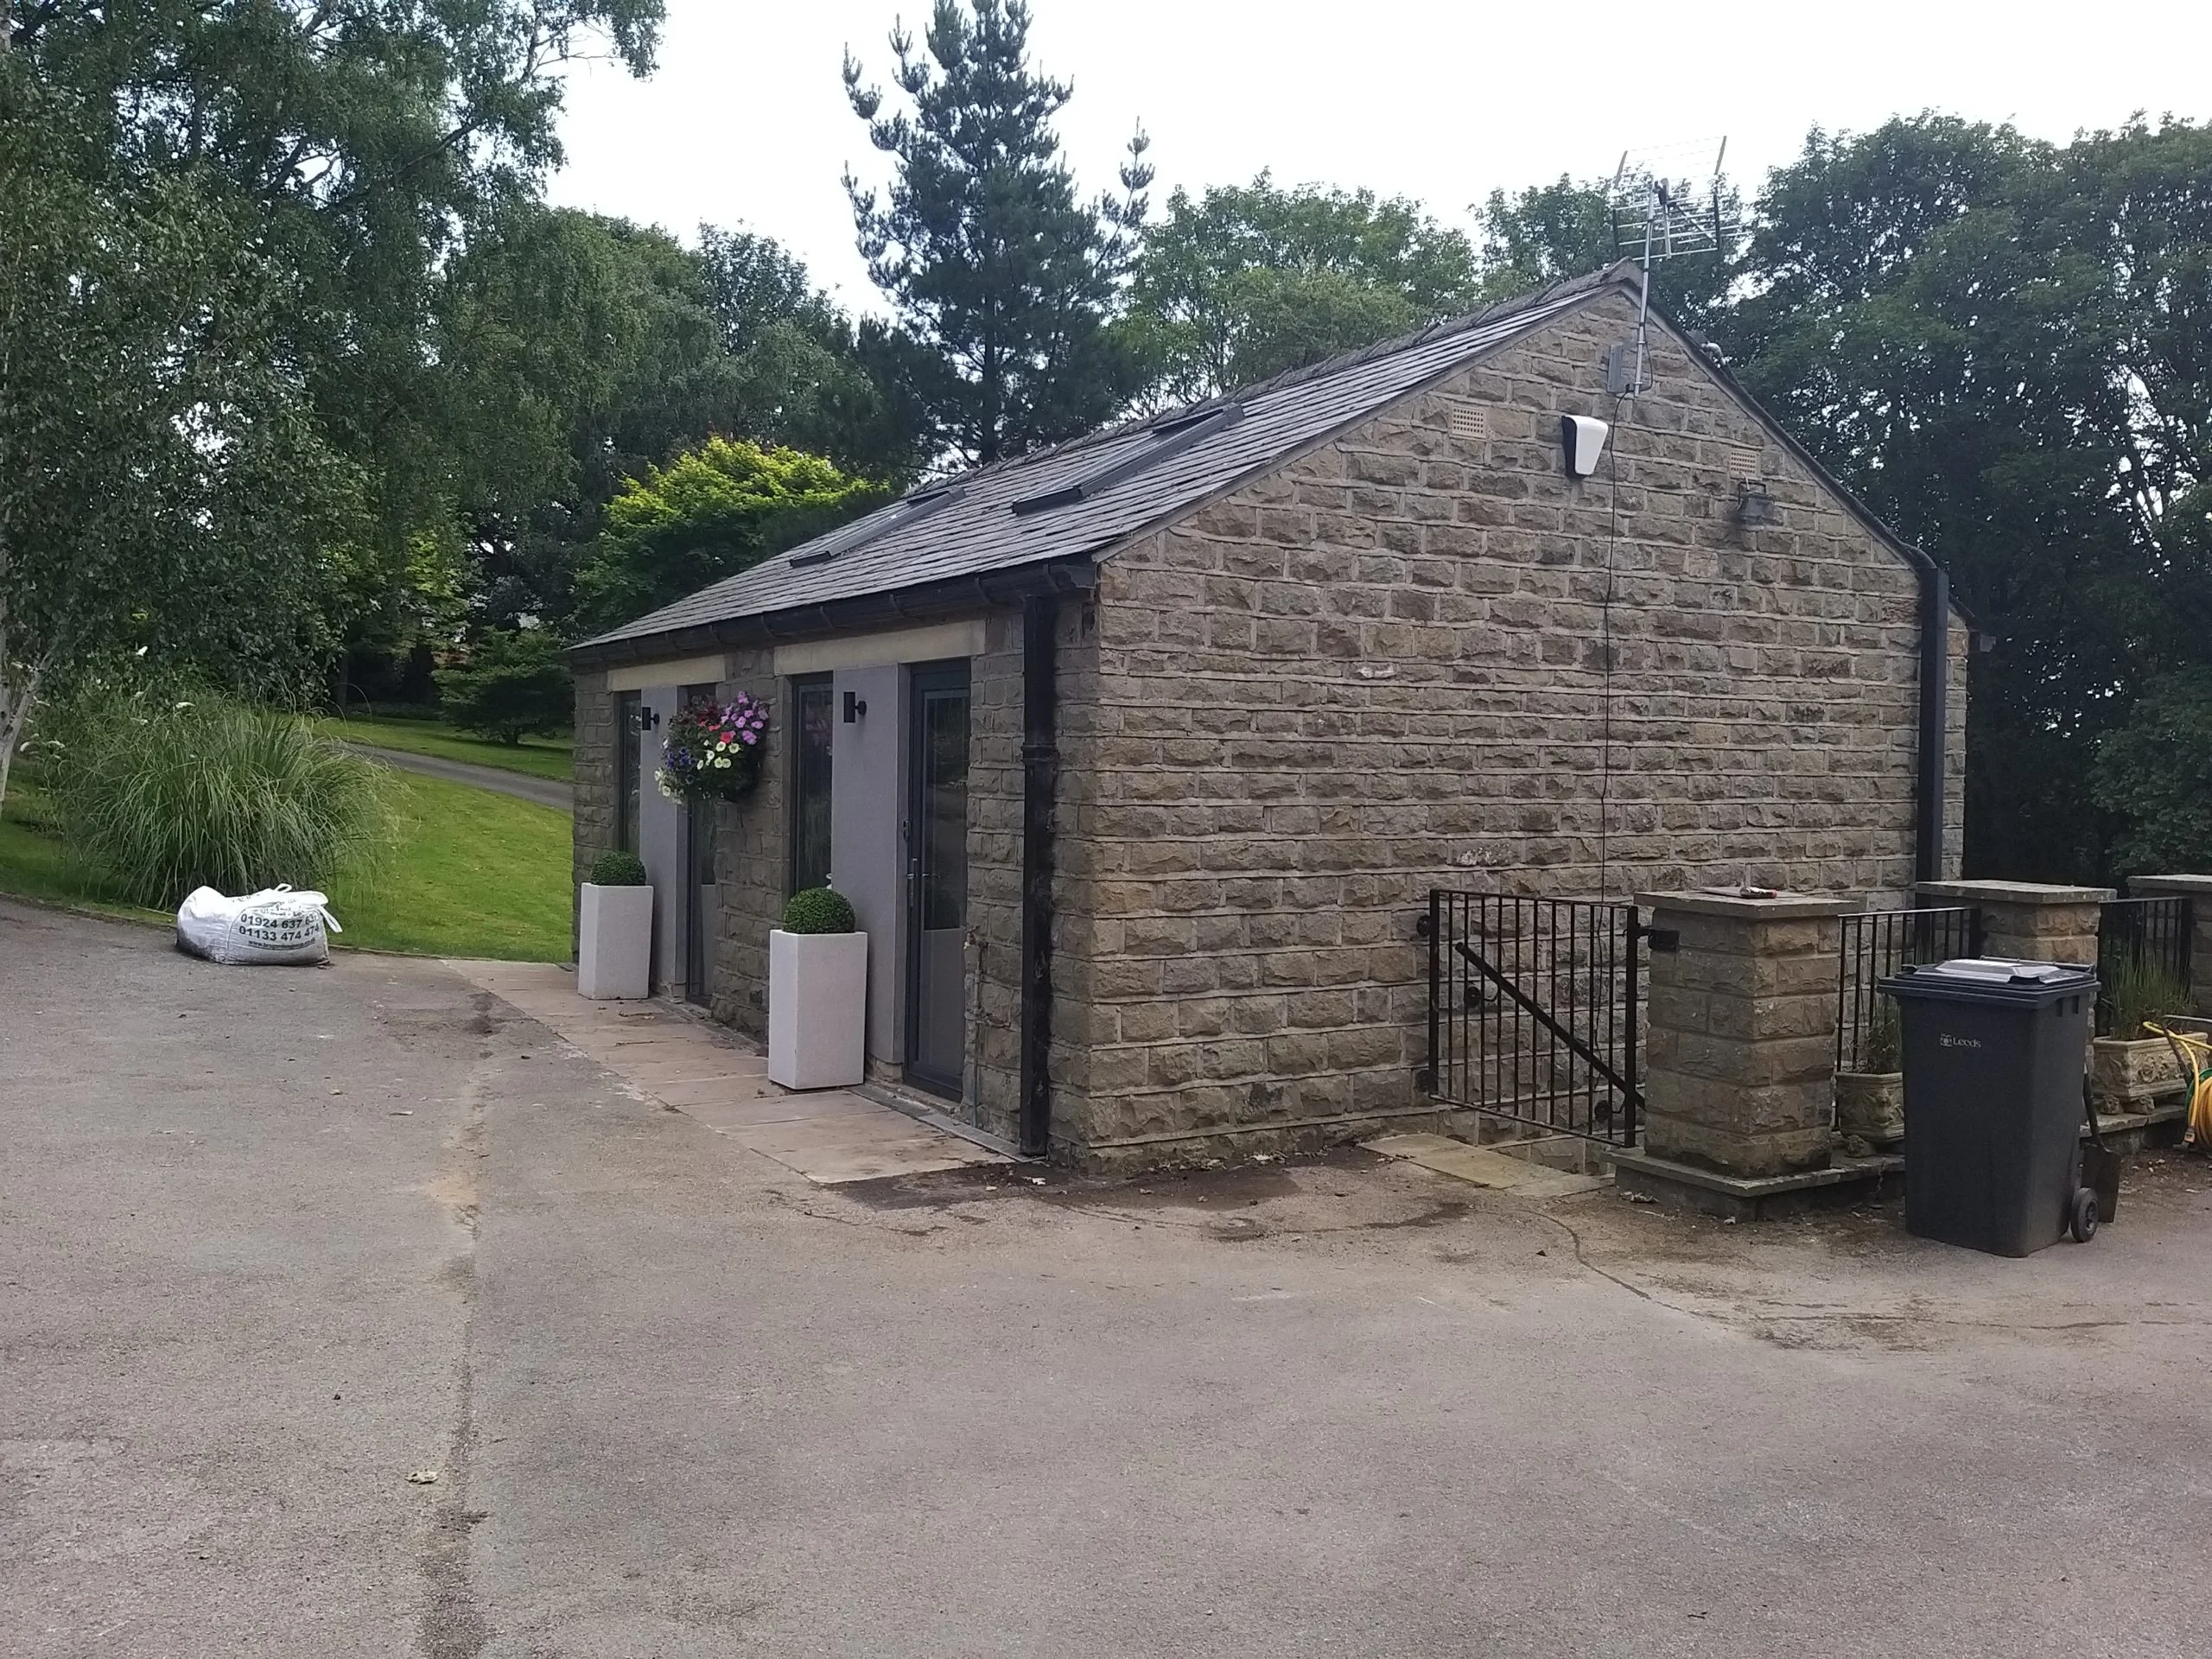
[{"x": 453, "y": 1624}]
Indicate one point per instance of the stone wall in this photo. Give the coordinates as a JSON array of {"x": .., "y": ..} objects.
[
  {"x": 751, "y": 855},
  {"x": 596, "y": 799},
  {"x": 1385, "y": 667},
  {"x": 994, "y": 1001}
]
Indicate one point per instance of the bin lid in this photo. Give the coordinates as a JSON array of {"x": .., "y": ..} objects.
[{"x": 2002, "y": 976}]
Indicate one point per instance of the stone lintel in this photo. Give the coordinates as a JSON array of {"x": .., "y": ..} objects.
[{"x": 1780, "y": 907}]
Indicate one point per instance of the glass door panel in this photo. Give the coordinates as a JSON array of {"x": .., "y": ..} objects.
[{"x": 937, "y": 866}]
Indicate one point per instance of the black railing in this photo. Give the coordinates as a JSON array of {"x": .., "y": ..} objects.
[
  {"x": 1533, "y": 1007},
  {"x": 2143, "y": 950},
  {"x": 1876, "y": 943}
]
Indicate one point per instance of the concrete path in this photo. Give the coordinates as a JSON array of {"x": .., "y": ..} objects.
[
  {"x": 687, "y": 1064},
  {"x": 544, "y": 792},
  {"x": 348, "y": 1311}
]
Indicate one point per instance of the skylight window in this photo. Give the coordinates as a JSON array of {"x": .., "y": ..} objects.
[
  {"x": 913, "y": 509},
  {"x": 1171, "y": 436}
]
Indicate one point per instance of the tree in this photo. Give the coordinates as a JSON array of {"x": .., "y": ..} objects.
[
  {"x": 590, "y": 349},
  {"x": 803, "y": 374},
  {"x": 165, "y": 499},
  {"x": 2002, "y": 345},
  {"x": 1249, "y": 280},
  {"x": 710, "y": 513},
  {"x": 515, "y": 684},
  {"x": 583, "y": 352},
  {"x": 2154, "y": 772},
  {"x": 1000, "y": 281},
  {"x": 327, "y": 161}
]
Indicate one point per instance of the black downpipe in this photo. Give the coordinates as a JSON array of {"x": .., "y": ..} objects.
[
  {"x": 1040, "y": 769},
  {"x": 1934, "y": 718}
]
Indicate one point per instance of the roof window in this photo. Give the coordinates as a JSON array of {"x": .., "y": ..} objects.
[
  {"x": 1171, "y": 436},
  {"x": 913, "y": 509}
]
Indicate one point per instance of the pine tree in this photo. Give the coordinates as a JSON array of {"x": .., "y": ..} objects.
[{"x": 1003, "y": 281}]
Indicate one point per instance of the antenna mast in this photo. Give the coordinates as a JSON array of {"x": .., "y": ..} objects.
[{"x": 1669, "y": 218}]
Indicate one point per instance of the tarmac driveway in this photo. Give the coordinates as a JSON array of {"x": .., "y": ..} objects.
[{"x": 344, "y": 1311}]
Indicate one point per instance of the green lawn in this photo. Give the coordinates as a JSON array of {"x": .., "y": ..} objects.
[
  {"x": 34, "y": 863},
  {"x": 540, "y": 756},
  {"x": 476, "y": 874}
]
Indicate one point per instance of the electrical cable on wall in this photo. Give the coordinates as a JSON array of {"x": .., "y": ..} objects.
[{"x": 1606, "y": 649}]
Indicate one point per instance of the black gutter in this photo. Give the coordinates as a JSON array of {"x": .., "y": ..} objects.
[{"x": 1040, "y": 768}]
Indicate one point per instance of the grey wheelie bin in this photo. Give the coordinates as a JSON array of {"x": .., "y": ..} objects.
[{"x": 1994, "y": 1057}]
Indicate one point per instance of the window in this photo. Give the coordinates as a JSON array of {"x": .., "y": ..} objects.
[
  {"x": 629, "y": 759},
  {"x": 814, "y": 706},
  {"x": 899, "y": 516},
  {"x": 1171, "y": 436}
]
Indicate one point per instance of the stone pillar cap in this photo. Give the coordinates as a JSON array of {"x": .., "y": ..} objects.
[
  {"x": 2016, "y": 892},
  {"x": 1747, "y": 903},
  {"x": 2170, "y": 884}
]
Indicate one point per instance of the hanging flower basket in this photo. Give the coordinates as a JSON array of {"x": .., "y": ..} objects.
[{"x": 712, "y": 752}]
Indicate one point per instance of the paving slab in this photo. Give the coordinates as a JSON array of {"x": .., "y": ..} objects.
[
  {"x": 677, "y": 1058},
  {"x": 1481, "y": 1167}
]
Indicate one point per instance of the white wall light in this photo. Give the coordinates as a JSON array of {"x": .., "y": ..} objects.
[{"x": 1582, "y": 440}]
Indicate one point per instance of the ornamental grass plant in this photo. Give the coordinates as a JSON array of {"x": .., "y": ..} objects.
[
  {"x": 2139, "y": 987},
  {"x": 160, "y": 796}
]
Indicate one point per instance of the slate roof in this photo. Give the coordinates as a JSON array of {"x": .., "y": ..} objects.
[{"x": 979, "y": 532}]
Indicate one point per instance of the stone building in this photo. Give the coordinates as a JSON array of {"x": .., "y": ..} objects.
[{"x": 1139, "y": 758}]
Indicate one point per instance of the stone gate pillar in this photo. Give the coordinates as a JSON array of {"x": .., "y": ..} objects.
[
  {"x": 2028, "y": 921},
  {"x": 1741, "y": 1044}
]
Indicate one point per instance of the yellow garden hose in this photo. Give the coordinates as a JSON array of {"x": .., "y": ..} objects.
[{"x": 2193, "y": 1053}]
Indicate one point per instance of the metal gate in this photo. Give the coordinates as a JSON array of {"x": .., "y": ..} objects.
[{"x": 1533, "y": 1011}]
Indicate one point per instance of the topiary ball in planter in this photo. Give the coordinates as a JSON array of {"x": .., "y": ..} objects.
[
  {"x": 615, "y": 929},
  {"x": 817, "y": 994},
  {"x": 819, "y": 910},
  {"x": 618, "y": 870}
]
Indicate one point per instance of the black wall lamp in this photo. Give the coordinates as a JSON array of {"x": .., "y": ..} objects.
[
  {"x": 855, "y": 706},
  {"x": 1754, "y": 506},
  {"x": 648, "y": 716}
]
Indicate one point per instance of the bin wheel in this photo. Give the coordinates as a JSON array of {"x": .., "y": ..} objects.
[{"x": 2083, "y": 1223}]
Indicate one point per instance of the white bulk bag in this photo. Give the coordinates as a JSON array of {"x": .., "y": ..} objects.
[{"x": 274, "y": 925}]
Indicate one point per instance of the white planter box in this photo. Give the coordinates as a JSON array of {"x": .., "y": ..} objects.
[
  {"x": 615, "y": 942},
  {"x": 817, "y": 1009}
]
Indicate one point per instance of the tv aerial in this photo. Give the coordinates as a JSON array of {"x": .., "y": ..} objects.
[{"x": 1660, "y": 210}]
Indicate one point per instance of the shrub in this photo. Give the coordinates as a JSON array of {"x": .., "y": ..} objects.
[
  {"x": 162, "y": 796},
  {"x": 819, "y": 910},
  {"x": 516, "y": 684},
  {"x": 616, "y": 870}
]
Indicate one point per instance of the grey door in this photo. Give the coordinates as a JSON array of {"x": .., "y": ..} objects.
[{"x": 937, "y": 879}]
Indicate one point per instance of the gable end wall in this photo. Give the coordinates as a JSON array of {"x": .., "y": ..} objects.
[{"x": 1381, "y": 669}]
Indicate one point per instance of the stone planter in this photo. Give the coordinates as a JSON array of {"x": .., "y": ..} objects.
[
  {"x": 817, "y": 1009},
  {"x": 2134, "y": 1074},
  {"x": 1871, "y": 1105},
  {"x": 615, "y": 942}
]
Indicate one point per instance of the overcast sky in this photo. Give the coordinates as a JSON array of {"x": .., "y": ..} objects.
[{"x": 746, "y": 123}]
